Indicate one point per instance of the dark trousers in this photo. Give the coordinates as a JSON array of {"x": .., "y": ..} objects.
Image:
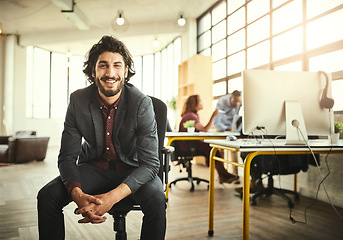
[{"x": 53, "y": 197}]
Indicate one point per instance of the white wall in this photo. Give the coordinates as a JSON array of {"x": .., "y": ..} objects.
[
  {"x": 14, "y": 82},
  {"x": 2, "y": 87}
]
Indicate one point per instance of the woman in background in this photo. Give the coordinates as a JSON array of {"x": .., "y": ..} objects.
[{"x": 190, "y": 112}]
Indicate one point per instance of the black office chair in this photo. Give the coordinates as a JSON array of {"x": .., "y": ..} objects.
[
  {"x": 184, "y": 159},
  {"x": 121, "y": 209},
  {"x": 279, "y": 165}
]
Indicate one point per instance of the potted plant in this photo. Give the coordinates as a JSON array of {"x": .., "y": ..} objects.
[
  {"x": 338, "y": 128},
  {"x": 172, "y": 115},
  {"x": 189, "y": 125},
  {"x": 172, "y": 104}
]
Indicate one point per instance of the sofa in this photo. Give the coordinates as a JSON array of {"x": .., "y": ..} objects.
[{"x": 24, "y": 146}]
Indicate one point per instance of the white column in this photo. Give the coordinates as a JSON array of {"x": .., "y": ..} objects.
[
  {"x": 2, "y": 90},
  {"x": 7, "y": 120}
]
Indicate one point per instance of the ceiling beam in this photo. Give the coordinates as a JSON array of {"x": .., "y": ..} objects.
[{"x": 73, "y": 13}]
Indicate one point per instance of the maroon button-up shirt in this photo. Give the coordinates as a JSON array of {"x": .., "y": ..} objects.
[{"x": 109, "y": 151}]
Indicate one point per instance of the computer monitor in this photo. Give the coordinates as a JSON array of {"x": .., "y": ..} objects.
[{"x": 276, "y": 102}]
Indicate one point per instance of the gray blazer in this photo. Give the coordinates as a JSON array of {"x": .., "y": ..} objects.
[{"x": 134, "y": 135}]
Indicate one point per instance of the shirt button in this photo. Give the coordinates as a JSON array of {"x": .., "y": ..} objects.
[
  {"x": 109, "y": 117},
  {"x": 115, "y": 107},
  {"x": 108, "y": 133},
  {"x": 107, "y": 148}
]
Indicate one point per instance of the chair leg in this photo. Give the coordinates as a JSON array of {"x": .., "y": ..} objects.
[
  {"x": 190, "y": 176},
  {"x": 119, "y": 226},
  {"x": 282, "y": 193},
  {"x": 272, "y": 190}
]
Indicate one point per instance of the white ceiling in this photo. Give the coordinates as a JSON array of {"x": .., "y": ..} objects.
[{"x": 41, "y": 23}]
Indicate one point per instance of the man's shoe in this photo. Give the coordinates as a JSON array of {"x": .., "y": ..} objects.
[{"x": 230, "y": 179}]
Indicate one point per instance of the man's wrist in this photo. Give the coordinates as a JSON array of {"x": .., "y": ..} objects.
[
  {"x": 118, "y": 193},
  {"x": 72, "y": 185},
  {"x": 76, "y": 193}
]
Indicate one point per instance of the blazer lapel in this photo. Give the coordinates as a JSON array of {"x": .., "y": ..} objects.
[
  {"x": 119, "y": 116},
  {"x": 98, "y": 126}
]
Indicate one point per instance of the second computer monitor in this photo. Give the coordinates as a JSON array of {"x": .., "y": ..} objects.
[{"x": 268, "y": 96}]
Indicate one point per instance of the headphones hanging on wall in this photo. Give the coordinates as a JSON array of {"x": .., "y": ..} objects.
[{"x": 325, "y": 101}]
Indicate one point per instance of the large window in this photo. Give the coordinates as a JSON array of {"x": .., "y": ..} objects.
[
  {"x": 52, "y": 77},
  {"x": 291, "y": 35},
  {"x": 156, "y": 74}
]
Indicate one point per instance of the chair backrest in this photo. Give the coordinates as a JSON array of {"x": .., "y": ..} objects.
[{"x": 160, "y": 110}]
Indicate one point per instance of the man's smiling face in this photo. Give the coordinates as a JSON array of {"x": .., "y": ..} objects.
[{"x": 110, "y": 73}]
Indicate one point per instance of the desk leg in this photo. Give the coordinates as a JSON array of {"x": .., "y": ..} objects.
[
  {"x": 211, "y": 192},
  {"x": 167, "y": 191},
  {"x": 246, "y": 194}
]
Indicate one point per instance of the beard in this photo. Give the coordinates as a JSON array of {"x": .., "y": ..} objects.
[{"x": 109, "y": 92}]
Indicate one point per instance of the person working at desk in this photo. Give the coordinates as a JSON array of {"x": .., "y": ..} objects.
[
  {"x": 190, "y": 112},
  {"x": 228, "y": 107},
  {"x": 109, "y": 149}
]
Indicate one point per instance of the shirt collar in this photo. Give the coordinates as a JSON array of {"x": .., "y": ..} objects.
[{"x": 103, "y": 105}]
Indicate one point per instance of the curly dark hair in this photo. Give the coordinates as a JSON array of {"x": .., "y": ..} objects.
[
  {"x": 107, "y": 44},
  {"x": 191, "y": 104}
]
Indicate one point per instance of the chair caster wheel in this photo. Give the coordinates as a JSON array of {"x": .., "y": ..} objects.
[
  {"x": 253, "y": 202},
  {"x": 210, "y": 233}
]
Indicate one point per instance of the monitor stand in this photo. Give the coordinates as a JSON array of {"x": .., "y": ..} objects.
[{"x": 296, "y": 132}]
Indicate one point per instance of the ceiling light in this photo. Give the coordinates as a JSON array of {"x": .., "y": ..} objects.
[
  {"x": 120, "y": 23},
  {"x": 156, "y": 43},
  {"x": 120, "y": 20},
  {"x": 181, "y": 21},
  {"x": 75, "y": 14}
]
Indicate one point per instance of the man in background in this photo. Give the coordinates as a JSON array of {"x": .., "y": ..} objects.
[{"x": 228, "y": 107}]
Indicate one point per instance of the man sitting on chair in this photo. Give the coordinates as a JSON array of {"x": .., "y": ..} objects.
[{"x": 109, "y": 149}]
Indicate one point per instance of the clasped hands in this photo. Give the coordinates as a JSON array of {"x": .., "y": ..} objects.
[{"x": 92, "y": 208}]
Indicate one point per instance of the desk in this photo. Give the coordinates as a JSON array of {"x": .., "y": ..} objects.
[
  {"x": 187, "y": 136},
  {"x": 266, "y": 147},
  {"x": 172, "y": 136}
]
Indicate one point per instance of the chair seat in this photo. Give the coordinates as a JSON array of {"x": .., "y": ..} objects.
[{"x": 124, "y": 206}]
